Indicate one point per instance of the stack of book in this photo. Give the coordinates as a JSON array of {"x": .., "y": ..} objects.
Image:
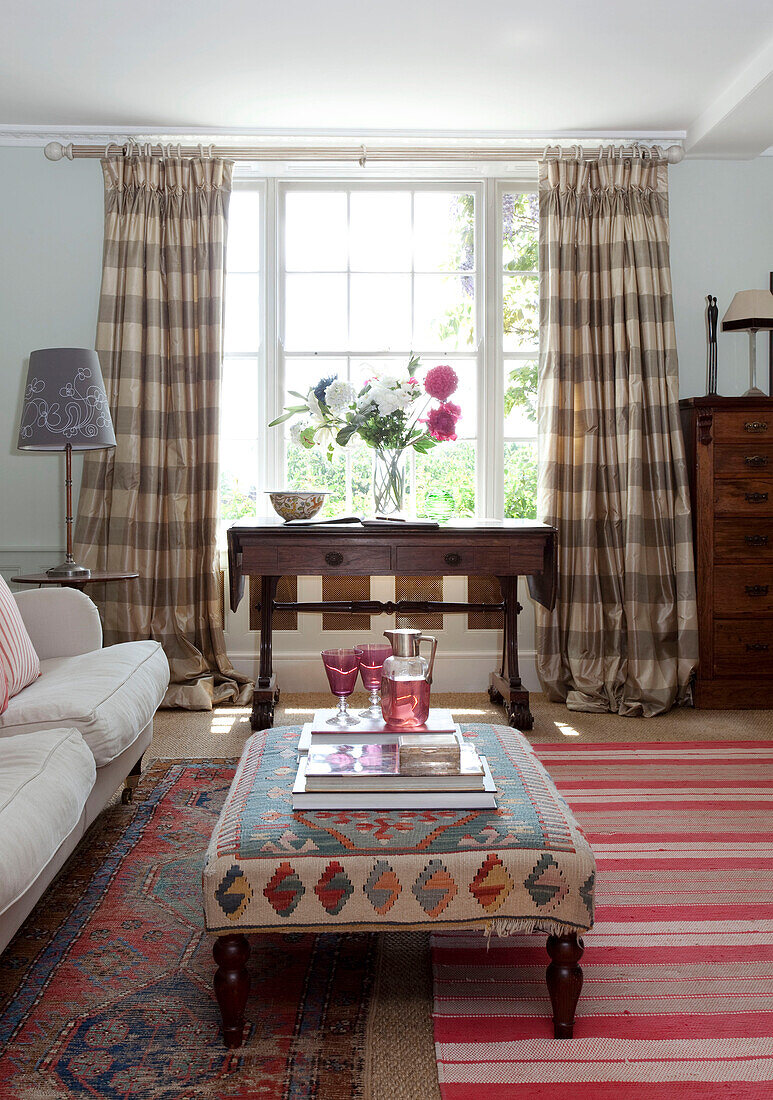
[{"x": 374, "y": 768}]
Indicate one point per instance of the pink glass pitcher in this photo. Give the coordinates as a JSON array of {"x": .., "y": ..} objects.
[{"x": 406, "y": 679}]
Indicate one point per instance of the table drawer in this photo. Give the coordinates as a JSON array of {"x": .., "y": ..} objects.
[
  {"x": 450, "y": 560},
  {"x": 741, "y": 589},
  {"x": 743, "y": 647},
  {"x": 743, "y": 460},
  {"x": 315, "y": 560},
  {"x": 740, "y": 426},
  {"x": 743, "y": 540},
  {"x": 259, "y": 560},
  {"x": 750, "y": 497}
]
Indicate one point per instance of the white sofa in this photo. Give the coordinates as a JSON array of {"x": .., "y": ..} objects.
[{"x": 67, "y": 741}]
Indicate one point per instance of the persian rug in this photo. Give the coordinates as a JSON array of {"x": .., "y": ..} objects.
[
  {"x": 106, "y": 991},
  {"x": 678, "y": 993}
]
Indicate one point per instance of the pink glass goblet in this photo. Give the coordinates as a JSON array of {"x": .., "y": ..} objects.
[
  {"x": 341, "y": 666},
  {"x": 371, "y": 659}
]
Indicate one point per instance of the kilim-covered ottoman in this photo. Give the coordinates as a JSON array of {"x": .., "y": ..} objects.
[{"x": 525, "y": 866}]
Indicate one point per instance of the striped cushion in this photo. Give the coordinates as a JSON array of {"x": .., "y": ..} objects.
[
  {"x": 3, "y": 689},
  {"x": 17, "y": 654}
]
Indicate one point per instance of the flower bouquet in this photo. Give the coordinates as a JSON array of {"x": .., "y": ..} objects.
[{"x": 389, "y": 414}]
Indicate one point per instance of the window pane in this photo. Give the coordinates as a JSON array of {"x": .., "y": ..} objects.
[
  {"x": 445, "y": 479},
  {"x": 465, "y": 396},
  {"x": 315, "y": 231},
  {"x": 520, "y": 480},
  {"x": 242, "y": 313},
  {"x": 310, "y": 469},
  {"x": 238, "y": 470},
  {"x": 520, "y": 224},
  {"x": 239, "y": 399},
  {"x": 444, "y": 311},
  {"x": 380, "y": 312},
  {"x": 315, "y": 312},
  {"x": 363, "y": 369},
  {"x": 444, "y": 231},
  {"x": 380, "y": 231},
  {"x": 520, "y": 397},
  {"x": 302, "y": 374},
  {"x": 520, "y": 312},
  {"x": 243, "y": 252}
]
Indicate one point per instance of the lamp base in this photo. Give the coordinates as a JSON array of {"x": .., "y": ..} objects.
[{"x": 68, "y": 570}]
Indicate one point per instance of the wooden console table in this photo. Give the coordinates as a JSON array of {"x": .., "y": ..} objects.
[{"x": 505, "y": 549}]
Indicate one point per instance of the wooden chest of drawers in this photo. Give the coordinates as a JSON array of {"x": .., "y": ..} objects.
[{"x": 729, "y": 443}]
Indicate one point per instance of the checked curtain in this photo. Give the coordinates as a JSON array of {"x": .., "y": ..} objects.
[
  {"x": 150, "y": 505},
  {"x": 613, "y": 476}
]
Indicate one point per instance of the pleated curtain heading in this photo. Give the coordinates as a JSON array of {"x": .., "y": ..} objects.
[
  {"x": 613, "y": 476},
  {"x": 151, "y": 504}
]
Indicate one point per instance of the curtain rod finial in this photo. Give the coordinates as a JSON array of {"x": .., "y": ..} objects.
[
  {"x": 674, "y": 154},
  {"x": 55, "y": 150}
]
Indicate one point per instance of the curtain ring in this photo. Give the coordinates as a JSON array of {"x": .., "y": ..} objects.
[
  {"x": 201, "y": 151},
  {"x": 363, "y": 156}
]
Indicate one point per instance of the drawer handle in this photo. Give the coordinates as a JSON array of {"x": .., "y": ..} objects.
[
  {"x": 334, "y": 558},
  {"x": 757, "y": 647},
  {"x": 756, "y": 540},
  {"x": 756, "y": 460},
  {"x": 756, "y": 498},
  {"x": 756, "y": 589},
  {"x": 755, "y": 426},
  {"x": 452, "y": 559}
]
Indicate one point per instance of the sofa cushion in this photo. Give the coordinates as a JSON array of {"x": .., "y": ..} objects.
[
  {"x": 3, "y": 689},
  {"x": 45, "y": 779},
  {"x": 17, "y": 653},
  {"x": 108, "y": 695}
]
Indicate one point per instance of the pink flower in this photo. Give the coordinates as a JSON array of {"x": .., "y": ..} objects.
[
  {"x": 441, "y": 422},
  {"x": 441, "y": 382}
]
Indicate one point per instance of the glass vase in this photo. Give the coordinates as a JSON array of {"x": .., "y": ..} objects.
[{"x": 389, "y": 472}]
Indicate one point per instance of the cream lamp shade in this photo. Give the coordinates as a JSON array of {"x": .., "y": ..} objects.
[{"x": 750, "y": 311}]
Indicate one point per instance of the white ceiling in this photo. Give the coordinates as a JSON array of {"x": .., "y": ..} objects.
[{"x": 703, "y": 68}]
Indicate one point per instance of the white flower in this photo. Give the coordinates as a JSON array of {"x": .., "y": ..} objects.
[
  {"x": 314, "y": 406},
  {"x": 387, "y": 401},
  {"x": 295, "y": 431},
  {"x": 339, "y": 396}
]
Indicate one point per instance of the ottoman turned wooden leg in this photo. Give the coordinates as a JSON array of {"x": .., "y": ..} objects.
[
  {"x": 232, "y": 985},
  {"x": 564, "y": 978}
]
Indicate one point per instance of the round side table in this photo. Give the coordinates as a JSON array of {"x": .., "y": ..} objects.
[{"x": 73, "y": 582}]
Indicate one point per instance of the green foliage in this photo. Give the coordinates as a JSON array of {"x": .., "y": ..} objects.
[
  {"x": 521, "y": 392},
  {"x": 236, "y": 498},
  {"x": 521, "y": 480}
]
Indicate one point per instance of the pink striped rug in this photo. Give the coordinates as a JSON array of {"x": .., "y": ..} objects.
[{"x": 678, "y": 994}]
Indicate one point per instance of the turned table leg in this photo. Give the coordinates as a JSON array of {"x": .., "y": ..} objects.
[
  {"x": 564, "y": 978},
  {"x": 232, "y": 985}
]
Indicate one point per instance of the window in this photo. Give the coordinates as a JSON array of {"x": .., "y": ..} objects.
[{"x": 344, "y": 279}]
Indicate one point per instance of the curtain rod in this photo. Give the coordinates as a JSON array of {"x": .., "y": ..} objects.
[{"x": 361, "y": 155}]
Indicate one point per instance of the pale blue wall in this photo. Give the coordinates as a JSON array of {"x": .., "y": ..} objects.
[
  {"x": 721, "y": 242},
  {"x": 50, "y": 265}
]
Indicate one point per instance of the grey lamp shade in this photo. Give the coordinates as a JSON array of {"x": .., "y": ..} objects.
[
  {"x": 749, "y": 310},
  {"x": 65, "y": 402}
]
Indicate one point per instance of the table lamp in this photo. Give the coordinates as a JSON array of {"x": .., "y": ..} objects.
[
  {"x": 750, "y": 310},
  {"x": 65, "y": 409}
]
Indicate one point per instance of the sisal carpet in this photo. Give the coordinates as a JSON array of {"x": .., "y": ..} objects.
[
  {"x": 678, "y": 996},
  {"x": 107, "y": 989}
]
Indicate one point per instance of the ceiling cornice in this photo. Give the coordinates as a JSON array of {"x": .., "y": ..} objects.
[{"x": 34, "y": 136}]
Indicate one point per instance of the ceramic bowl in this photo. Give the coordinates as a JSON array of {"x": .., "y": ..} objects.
[{"x": 290, "y": 504}]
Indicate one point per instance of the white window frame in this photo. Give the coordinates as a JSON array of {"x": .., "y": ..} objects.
[{"x": 489, "y": 352}]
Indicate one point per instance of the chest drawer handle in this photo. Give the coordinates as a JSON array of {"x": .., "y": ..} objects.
[
  {"x": 756, "y": 589},
  {"x": 756, "y": 540},
  {"x": 452, "y": 559},
  {"x": 334, "y": 558},
  {"x": 756, "y": 460},
  {"x": 757, "y": 647},
  {"x": 756, "y": 498},
  {"x": 755, "y": 426}
]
